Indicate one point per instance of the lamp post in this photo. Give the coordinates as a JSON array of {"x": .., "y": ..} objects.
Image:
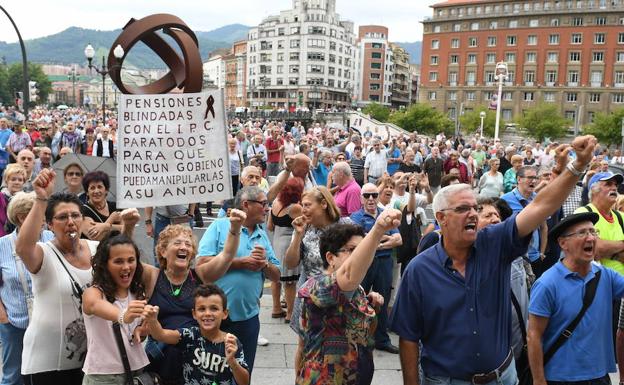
[
  {"x": 89, "y": 52},
  {"x": 73, "y": 77},
  {"x": 25, "y": 88},
  {"x": 482, "y": 116},
  {"x": 501, "y": 76}
]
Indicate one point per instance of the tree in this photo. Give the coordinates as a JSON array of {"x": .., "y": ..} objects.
[
  {"x": 5, "y": 95},
  {"x": 35, "y": 72},
  {"x": 544, "y": 121},
  {"x": 607, "y": 128},
  {"x": 423, "y": 119},
  {"x": 377, "y": 111},
  {"x": 471, "y": 121}
]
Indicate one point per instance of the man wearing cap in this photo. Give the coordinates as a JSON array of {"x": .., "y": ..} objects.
[
  {"x": 557, "y": 297},
  {"x": 453, "y": 309},
  {"x": 610, "y": 244}
]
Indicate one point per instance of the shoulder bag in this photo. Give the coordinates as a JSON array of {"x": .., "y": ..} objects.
[
  {"x": 145, "y": 378},
  {"x": 522, "y": 365}
]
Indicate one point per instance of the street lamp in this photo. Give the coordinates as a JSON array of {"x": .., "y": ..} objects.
[
  {"x": 89, "y": 52},
  {"x": 25, "y": 79},
  {"x": 73, "y": 77},
  {"x": 501, "y": 76},
  {"x": 482, "y": 116}
]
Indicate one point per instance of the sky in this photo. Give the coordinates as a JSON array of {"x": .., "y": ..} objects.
[{"x": 38, "y": 18}]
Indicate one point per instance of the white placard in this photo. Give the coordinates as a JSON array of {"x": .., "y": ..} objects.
[{"x": 172, "y": 149}]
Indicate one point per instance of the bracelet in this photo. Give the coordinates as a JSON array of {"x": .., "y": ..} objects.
[
  {"x": 573, "y": 169},
  {"x": 42, "y": 199},
  {"x": 148, "y": 221},
  {"x": 120, "y": 319},
  {"x": 235, "y": 234}
]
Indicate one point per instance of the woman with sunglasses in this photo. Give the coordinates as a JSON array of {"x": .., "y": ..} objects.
[
  {"x": 72, "y": 174},
  {"x": 55, "y": 343},
  {"x": 337, "y": 311}
]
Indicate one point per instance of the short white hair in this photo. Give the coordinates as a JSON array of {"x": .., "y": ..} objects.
[
  {"x": 343, "y": 167},
  {"x": 441, "y": 199}
]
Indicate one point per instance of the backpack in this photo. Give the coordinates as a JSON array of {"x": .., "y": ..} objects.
[
  {"x": 615, "y": 212},
  {"x": 410, "y": 234}
]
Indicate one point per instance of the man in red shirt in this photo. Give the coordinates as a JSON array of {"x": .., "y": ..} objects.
[{"x": 274, "y": 146}]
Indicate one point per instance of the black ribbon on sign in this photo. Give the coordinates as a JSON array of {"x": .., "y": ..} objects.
[{"x": 209, "y": 107}]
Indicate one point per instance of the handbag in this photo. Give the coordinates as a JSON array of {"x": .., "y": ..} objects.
[
  {"x": 522, "y": 364},
  {"x": 145, "y": 378},
  {"x": 19, "y": 266}
]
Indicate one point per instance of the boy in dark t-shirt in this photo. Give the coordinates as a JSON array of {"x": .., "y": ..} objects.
[{"x": 210, "y": 356}]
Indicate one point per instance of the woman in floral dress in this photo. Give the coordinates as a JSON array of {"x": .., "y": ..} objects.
[{"x": 338, "y": 317}]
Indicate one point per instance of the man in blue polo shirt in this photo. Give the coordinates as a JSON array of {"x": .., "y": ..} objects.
[
  {"x": 518, "y": 199},
  {"x": 556, "y": 300},
  {"x": 453, "y": 309},
  {"x": 254, "y": 261},
  {"x": 379, "y": 275}
]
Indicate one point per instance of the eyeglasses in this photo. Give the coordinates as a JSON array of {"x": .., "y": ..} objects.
[
  {"x": 369, "y": 195},
  {"x": 263, "y": 203},
  {"x": 65, "y": 217},
  {"x": 530, "y": 177},
  {"x": 463, "y": 209},
  {"x": 583, "y": 233},
  {"x": 72, "y": 173},
  {"x": 347, "y": 250}
]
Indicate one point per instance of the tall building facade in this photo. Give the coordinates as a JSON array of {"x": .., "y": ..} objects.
[
  {"x": 375, "y": 66},
  {"x": 566, "y": 52},
  {"x": 401, "y": 77},
  {"x": 303, "y": 57},
  {"x": 235, "y": 64}
]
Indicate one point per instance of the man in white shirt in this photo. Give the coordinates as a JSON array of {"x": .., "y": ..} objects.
[
  {"x": 104, "y": 146},
  {"x": 376, "y": 163}
]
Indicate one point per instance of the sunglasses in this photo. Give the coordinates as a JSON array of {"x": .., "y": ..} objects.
[
  {"x": 369, "y": 195},
  {"x": 72, "y": 173}
]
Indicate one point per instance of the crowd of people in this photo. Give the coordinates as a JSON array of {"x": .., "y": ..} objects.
[{"x": 515, "y": 274}]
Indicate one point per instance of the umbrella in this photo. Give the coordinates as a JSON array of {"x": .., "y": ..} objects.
[
  {"x": 88, "y": 163},
  {"x": 62, "y": 107}
]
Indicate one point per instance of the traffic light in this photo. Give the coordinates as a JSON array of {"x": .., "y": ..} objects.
[{"x": 33, "y": 91}]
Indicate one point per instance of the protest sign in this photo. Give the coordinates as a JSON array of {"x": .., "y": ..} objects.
[{"x": 172, "y": 149}]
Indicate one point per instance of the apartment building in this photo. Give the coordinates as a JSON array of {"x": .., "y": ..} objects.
[
  {"x": 566, "y": 52},
  {"x": 302, "y": 58}
]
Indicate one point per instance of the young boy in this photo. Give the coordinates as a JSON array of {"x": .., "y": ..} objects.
[{"x": 209, "y": 354}]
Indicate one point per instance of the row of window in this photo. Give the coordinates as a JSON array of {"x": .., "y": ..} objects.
[
  {"x": 517, "y": 7},
  {"x": 527, "y": 96},
  {"x": 294, "y": 81},
  {"x": 512, "y": 40},
  {"x": 312, "y": 30},
  {"x": 295, "y": 56},
  {"x": 530, "y": 57},
  {"x": 576, "y": 21},
  {"x": 296, "y": 43},
  {"x": 530, "y": 77}
]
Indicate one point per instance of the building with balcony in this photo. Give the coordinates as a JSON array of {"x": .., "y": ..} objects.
[
  {"x": 566, "y": 52},
  {"x": 214, "y": 71},
  {"x": 303, "y": 57},
  {"x": 401, "y": 77},
  {"x": 374, "y": 63},
  {"x": 415, "y": 82},
  {"x": 235, "y": 64}
]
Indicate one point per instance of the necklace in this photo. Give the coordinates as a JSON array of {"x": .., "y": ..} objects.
[
  {"x": 100, "y": 208},
  {"x": 176, "y": 291}
]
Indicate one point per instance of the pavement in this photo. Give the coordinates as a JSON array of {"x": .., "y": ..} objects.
[{"x": 275, "y": 362}]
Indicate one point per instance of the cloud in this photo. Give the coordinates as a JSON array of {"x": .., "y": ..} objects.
[{"x": 402, "y": 17}]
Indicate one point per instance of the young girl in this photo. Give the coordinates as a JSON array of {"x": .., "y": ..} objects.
[{"x": 116, "y": 295}]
